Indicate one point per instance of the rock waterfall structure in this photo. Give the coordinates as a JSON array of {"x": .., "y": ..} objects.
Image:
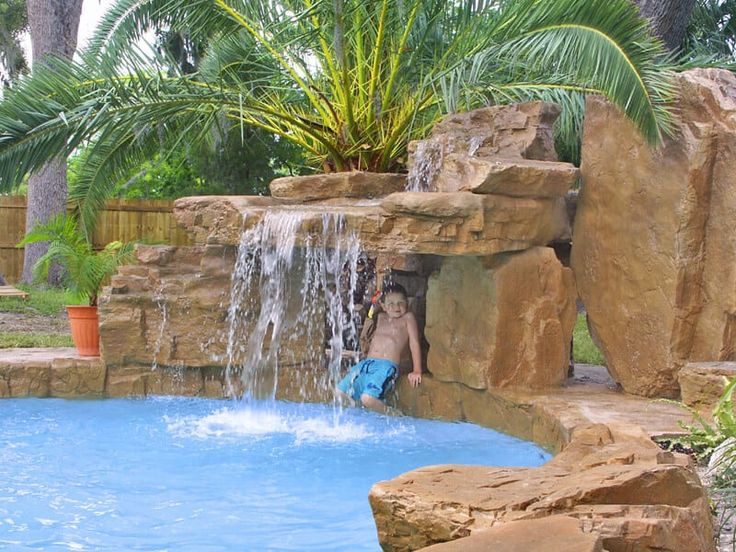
[
  {"x": 468, "y": 232},
  {"x": 490, "y": 237}
]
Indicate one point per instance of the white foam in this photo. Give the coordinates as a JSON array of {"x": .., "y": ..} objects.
[{"x": 261, "y": 423}]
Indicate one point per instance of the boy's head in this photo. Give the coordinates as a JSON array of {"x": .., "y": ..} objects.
[{"x": 393, "y": 300}]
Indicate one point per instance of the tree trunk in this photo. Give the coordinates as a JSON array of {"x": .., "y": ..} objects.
[
  {"x": 54, "y": 25},
  {"x": 669, "y": 19}
]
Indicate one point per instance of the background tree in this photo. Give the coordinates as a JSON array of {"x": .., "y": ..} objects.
[
  {"x": 235, "y": 161},
  {"x": 669, "y": 19},
  {"x": 13, "y": 23},
  {"x": 712, "y": 29},
  {"x": 54, "y": 25}
]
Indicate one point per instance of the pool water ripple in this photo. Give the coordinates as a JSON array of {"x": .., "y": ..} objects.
[{"x": 194, "y": 474}]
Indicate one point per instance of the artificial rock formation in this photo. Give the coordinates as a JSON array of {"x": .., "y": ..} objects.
[
  {"x": 457, "y": 223},
  {"x": 171, "y": 311},
  {"x": 474, "y": 309},
  {"x": 519, "y": 131},
  {"x": 702, "y": 384},
  {"x": 50, "y": 373},
  {"x": 502, "y": 176},
  {"x": 653, "y": 249},
  {"x": 612, "y": 479},
  {"x": 355, "y": 184},
  {"x": 164, "y": 325},
  {"x": 552, "y": 534}
]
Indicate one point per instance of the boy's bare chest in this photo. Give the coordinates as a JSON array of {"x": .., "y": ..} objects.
[{"x": 393, "y": 329}]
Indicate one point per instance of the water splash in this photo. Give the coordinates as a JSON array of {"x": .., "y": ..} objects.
[
  {"x": 260, "y": 423},
  {"x": 287, "y": 305},
  {"x": 427, "y": 161}
]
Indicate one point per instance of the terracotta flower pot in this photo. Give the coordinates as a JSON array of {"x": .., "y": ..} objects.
[{"x": 85, "y": 329}]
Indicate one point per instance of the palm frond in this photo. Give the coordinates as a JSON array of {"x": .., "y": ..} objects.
[
  {"x": 602, "y": 45},
  {"x": 350, "y": 82},
  {"x": 84, "y": 269}
]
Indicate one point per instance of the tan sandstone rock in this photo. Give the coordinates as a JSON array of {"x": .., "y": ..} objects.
[
  {"x": 552, "y": 534},
  {"x": 702, "y": 383},
  {"x": 511, "y": 177},
  {"x": 474, "y": 309},
  {"x": 653, "y": 249},
  {"x": 171, "y": 310},
  {"x": 514, "y": 131},
  {"x": 355, "y": 184},
  {"x": 466, "y": 224},
  {"x": 216, "y": 219},
  {"x": 457, "y": 223},
  {"x": 50, "y": 372},
  {"x": 636, "y": 505}
]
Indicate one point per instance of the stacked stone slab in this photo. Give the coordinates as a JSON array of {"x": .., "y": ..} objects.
[
  {"x": 503, "y": 319},
  {"x": 654, "y": 253},
  {"x": 164, "y": 327}
]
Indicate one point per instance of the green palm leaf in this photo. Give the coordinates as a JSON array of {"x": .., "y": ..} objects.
[{"x": 350, "y": 82}]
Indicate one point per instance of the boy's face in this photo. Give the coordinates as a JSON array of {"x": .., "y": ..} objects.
[{"x": 395, "y": 305}]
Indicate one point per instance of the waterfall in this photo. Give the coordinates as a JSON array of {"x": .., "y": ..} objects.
[
  {"x": 291, "y": 303},
  {"x": 427, "y": 161}
]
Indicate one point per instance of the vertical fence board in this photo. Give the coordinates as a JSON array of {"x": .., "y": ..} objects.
[{"x": 122, "y": 219}]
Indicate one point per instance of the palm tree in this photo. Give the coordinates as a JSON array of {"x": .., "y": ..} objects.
[
  {"x": 84, "y": 269},
  {"x": 349, "y": 81}
]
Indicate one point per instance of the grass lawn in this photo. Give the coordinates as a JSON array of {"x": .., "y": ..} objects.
[
  {"x": 36, "y": 321},
  {"x": 584, "y": 350},
  {"x": 11, "y": 340},
  {"x": 47, "y": 302}
]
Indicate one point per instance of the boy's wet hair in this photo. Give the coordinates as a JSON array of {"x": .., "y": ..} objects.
[{"x": 392, "y": 287}]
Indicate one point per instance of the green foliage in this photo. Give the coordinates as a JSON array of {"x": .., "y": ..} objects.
[
  {"x": 583, "y": 348},
  {"x": 44, "y": 301},
  {"x": 84, "y": 268},
  {"x": 349, "y": 82},
  {"x": 703, "y": 436},
  {"x": 154, "y": 179},
  {"x": 9, "y": 340},
  {"x": 226, "y": 168},
  {"x": 712, "y": 29}
]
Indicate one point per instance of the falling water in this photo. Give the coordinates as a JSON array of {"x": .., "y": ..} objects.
[
  {"x": 161, "y": 302},
  {"x": 288, "y": 306},
  {"x": 427, "y": 161}
]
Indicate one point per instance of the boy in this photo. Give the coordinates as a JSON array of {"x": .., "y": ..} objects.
[{"x": 368, "y": 380}]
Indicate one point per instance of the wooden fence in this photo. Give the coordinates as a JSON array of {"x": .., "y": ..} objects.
[{"x": 122, "y": 219}]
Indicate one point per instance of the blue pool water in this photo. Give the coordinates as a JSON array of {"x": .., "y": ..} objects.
[{"x": 193, "y": 474}]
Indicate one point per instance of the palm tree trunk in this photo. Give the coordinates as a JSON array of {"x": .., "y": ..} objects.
[
  {"x": 54, "y": 25},
  {"x": 669, "y": 19}
]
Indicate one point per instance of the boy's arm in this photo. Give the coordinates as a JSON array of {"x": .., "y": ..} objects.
[{"x": 415, "y": 377}]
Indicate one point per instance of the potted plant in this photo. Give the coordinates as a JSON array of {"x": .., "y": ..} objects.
[{"x": 84, "y": 270}]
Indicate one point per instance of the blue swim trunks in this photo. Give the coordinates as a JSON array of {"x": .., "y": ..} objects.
[{"x": 371, "y": 376}]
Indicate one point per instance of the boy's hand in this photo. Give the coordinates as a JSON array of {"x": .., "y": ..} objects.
[{"x": 415, "y": 378}]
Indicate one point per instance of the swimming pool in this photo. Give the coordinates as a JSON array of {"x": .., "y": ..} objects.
[{"x": 194, "y": 474}]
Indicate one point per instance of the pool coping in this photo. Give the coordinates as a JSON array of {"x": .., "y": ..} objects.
[{"x": 546, "y": 417}]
